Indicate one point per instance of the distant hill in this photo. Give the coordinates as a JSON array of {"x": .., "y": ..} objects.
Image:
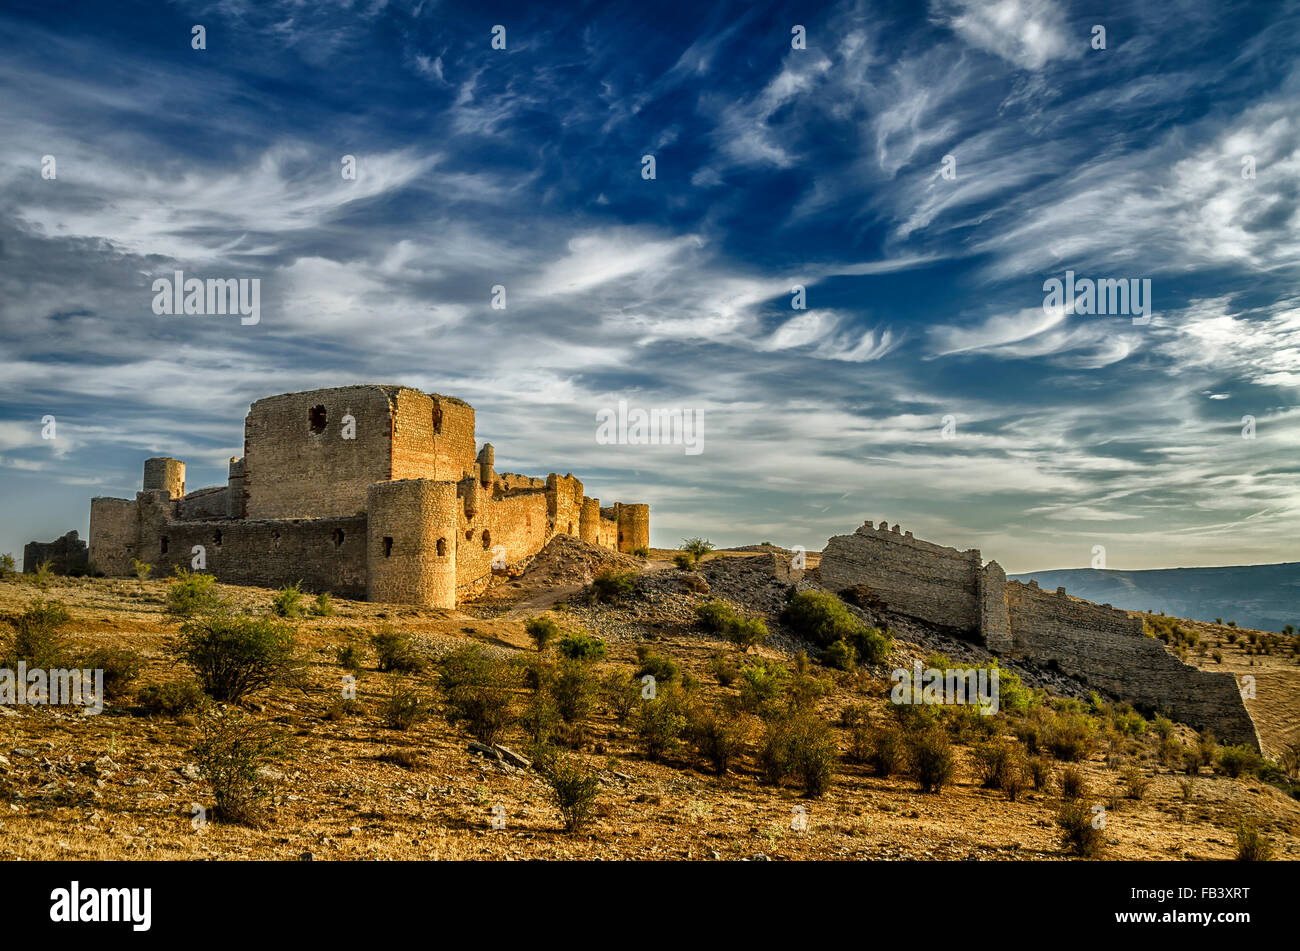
[{"x": 1264, "y": 597}]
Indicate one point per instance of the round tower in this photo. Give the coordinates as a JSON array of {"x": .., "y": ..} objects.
[
  {"x": 166, "y": 473},
  {"x": 589, "y": 521},
  {"x": 411, "y": 542},
  {"x": 633, "y": 527}
]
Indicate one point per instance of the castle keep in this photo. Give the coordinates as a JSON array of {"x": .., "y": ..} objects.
[
  {"x": 1094, "y": 643},
  {"x": 375, "y": 492}
]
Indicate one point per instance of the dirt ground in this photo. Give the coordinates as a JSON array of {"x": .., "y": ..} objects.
[{"x": 123, "y": 785}]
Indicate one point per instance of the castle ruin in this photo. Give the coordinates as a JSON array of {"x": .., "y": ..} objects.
[
  {"x": 1094, "y": 643},
  {"x": 374, "y": 492}
]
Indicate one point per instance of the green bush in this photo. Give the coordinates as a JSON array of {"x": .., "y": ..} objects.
[
  {"x": 350, "y": 657},
  {"x": 930, "y": 759},
  {"x": 288, "y": 601},
  {"x": 231, "y": 749},
  {"x": 887, "y": 753},
  {"x": 582, "y": 646},
  {"x": 723, "y": 667},
  {"x": 1078, "y": 834},
  {"x": 573, "y": 788},
  {"x": 761, "y": 683},
  {"x": 823, "y": 619},
  {"x": 479, "y": 692},
  {"x": 121, "y": 667},
  {"x": 396, "y": 651},
  {"x": 642, "y": 552},
  {"x": 614, "y": 585},
  {"x": 234, "y": 655},
  {"x": 540, "y": 719},
  {"x": 7, "y": 566},
  {"x": 38, "y": 635},
  {"x": 574, "y": 688},
  {"x": 403, "y": 708},
  {"x": 661, "y": 668},
  {"x": 684, "y": 561},
  {"x": 173, "y": 698},
  {"x": 1070, "y": 737},
  {"x": 697, "y": 548},
  {"x": 1252, "y": 846},
  {"x": 542, "y": 630},
  {"x": 620, "y": 694},
  {"x": 991, "y": 759},
  {"x": 1039, "y": 771},
  {"x": 1073, "y": 785},
  {"x": 142, "y": 569},
  {"x": 659, "y": 724},
  {"x": 801, "y": 748},
  {"x": 1135, "y": 782},
  {"x": 323, "y": 607},
  {"x": 1237, "y": 761},
  {"x": 191, "y": 593},
  {"x": 841, "y": 655},
  {"x": 719, "y": 735},
  {"x": 715, "y": 616}
]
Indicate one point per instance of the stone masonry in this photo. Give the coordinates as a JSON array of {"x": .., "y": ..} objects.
[
  {"x": 361, "y": 491},
  {"x": 1094, "y": 643}
]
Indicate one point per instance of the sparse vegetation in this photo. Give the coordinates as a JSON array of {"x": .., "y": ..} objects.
[
  {"x": 931, "y": 760},
  {"x": 613, "y": 585},
  {"x": 234, "y": 655},
  {"x": 1079, "y": 835},
  {"x": 582, "y": 646},
  {"x": 192, "y": 593},
  {"x": 38, "y": 635},
  {"x": 1252, "y": 845},
  {"x": 823, "y": 619},
  {"x": 396, "y": 651},
  {"x": 174, "y": 698},
  {"x": 542, "y": 630},
  {"x": 288, "y": 601},
  {"x": 573, "y": 788},
  {"x": 231, "y": 751}
]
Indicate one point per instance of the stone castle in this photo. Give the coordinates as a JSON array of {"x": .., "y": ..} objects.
[
  {"x": 1094, "y": 643},
  {"x": 375, "y": 492}
]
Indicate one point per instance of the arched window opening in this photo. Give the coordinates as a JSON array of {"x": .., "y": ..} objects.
[
  {"x": 338, "y": 537},
  {"x": 316, "y": 419},
  {"x": 388, "y": 546},
  {"x": 442, "y": 548}
]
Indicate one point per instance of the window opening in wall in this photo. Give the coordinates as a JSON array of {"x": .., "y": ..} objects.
[
  {"x": 216, "y": 539},
  {"x": 164, "y": 544},
  {"x": 487, "y": 539},
  {"x": 388, "y": 546},
  {"x": 338, "y": 537},
  {"x": 469, "y": 535},
  {"x": 442, "y": 547},
  {"x": 316, "y": 418},
  {"x": 437, "y": 420}
]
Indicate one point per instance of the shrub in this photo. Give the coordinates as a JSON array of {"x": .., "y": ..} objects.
[
  {"x": 724, "y": 668},
  {"x": 620, "y": 693},
  {"x": 323, "y": 607},
  {"x": 403, "y": 708},
  {"x": 542, "y": 630},
  {"x": 573, "y": 788},
  {"x": 1078, "y": 834},
  {"x": 234, "y": 655},
  {"x": 1014, "y": 775},
  {"x": 191, "y": 593},
  {"x": 350, "y": 657},
  {"x": 614, "y": 585},
  {"x": 173, "y": 699},
  {"x": 887, "y": 753},
  {"x": 1073, "y": 785},
  {"x": 1069, "y": 737},
  {"x": 684, "y": 561},
  {"x": 991, "y": 759},
  {"x": 121, "y": 668},
  {"x": 231, "y": 749},
  {"x": 823, "y": 619},
  {"x": 403, "y": 757},
  {"x": 719, "y": 736},
  {"x": 540, "y": 719},
  {"x": 761, "y": 683},
  {"x": 479, "y": 692},
  {"x": 661, "y": 668},
  {"x": 841, "y": 656},
  {"x": 7, "y": 565},
  {"x": 931, "y": 759},
  {"x": 581, "y": 646},
  {"x": 747, "y": 632},
  {"x": 38, "y": 635},
  {"x": 800, "y": 748},
  {"x": 1237, "y": 761},
  {"x": 288, "y": 601},
  {"x": 659, "y": 724},
  {"x": 1039, "y": 771},
  {"x": 396, "y": 651},
  {"x": 697, "y": 548},
  {"x": 642, "y": 552},
  {"x": 341, "y": 709},
  {"x": 141, "y": 569},
  {"x": 1135, "y": 781},
  {"x": 1252, "y": 846},
  {"x": 574, "y": 689},
  {"x": 715, "y": 615}
]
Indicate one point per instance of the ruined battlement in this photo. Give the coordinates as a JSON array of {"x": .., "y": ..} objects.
[
  {"x": 362, "y": 491},
  {"x": 1095, "y": 643}
]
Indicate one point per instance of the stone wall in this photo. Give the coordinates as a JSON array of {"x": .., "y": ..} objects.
[
  {"x": 1107, "y": 649},
  {"x": 212, "y": 502},
  {"x": 114, "y": 534},
  {"x": 67, "y": 555},
  {"x": 433, "y": 437},
  {"x": 297, "y": 463},
  {"x": 633, "y": 526},
  {"x": 411, "y": 542},
  {"x": 165, "y": 473},
  {"x": 906, "y": 575}
]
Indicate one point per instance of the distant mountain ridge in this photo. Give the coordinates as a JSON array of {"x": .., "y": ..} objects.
[{"x": 1264, "y": 597}]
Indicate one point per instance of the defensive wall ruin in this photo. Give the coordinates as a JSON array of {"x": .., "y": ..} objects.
[{"x": 1098, "y": 645}]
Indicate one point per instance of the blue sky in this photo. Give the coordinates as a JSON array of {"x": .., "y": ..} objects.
[{"x": 775, "y": 166}]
